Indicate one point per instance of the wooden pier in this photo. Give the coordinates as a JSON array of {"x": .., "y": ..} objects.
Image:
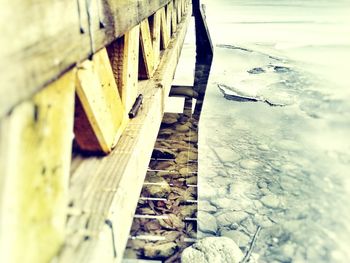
[{"x": 71, "y": 72}]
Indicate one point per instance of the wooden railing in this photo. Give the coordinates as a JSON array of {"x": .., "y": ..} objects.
[{"x": 80, "y": 209}]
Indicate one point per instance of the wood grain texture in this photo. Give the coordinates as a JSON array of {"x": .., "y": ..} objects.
[
  {"x": 104, "y": 190},
  {"x": 124, "y": 57},
  {"x": 40, "y": 40},
  {"x": 174, "y": 17},
  {"x": 35, "y": 168},
  {"x": 147, "y": 59},
  {"x": 164, "y": 29},
  {"x": 98, "y": 95},
  {"x": 155, "y": 34}
]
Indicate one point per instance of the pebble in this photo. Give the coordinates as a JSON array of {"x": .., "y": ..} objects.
[
  {"x": 169, "y": 120},
  {"x": 226, "y": 203},
  {"x": 226, "y": 155},
  {"x": 249, "y": 164},
  {"x": 205, "y": 206},
  {"x": 206, "y": 222},
  {"x": 228, "y": 218},
  {"x": 263, "y": 147},
  {"x": 182, "y": 128},
  {"x": 159, "y": 250},
  {"x": 241, "y": 239},
  {"x": 270, "y": 200},
  {"x": 163, "y": 153},
  {"x": 256, "y": 71}
]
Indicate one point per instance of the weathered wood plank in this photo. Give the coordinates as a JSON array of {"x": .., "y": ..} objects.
[
  {"x": 104, "y": 190},
  {"x": 174, "y": 17},
  {"x": 35, "y": 164},
  {"x": 147, "y": 67},
  {"x": 100, "y": 115},
  {"x": 38, "y": 43},
  {"x": 155, "y": 34},
  {"x": 179, "y": 10},
  {"x": 124, "y": 57},
  {"x": 164, "y": 29},
  {"x": 169, "y": 17}
]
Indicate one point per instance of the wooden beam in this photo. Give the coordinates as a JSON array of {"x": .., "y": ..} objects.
[
  {"x": 37, "y": 45},
  {"x": 146, "y": 68},
  {"x": 104, "y": 191},
  {"x": 164, "y": 29},
  {"x": 174, "y": 17},
  {"x": 124, "y": 57},
  {"x": 35, "y": 164},
  {"x": 155, "y": 33},
  {"x": 179, "y": 10},
  {"x": 169, "y": 17},
  {"x": 100, "y": 116}
]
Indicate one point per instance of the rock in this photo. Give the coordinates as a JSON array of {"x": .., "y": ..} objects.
[
  {"x": 166, "y": 132},
  {"x": 163, "y": 165},
  {"x": 226, "y": 203},
  {"x": 206, "y": 207},
  {"x": 262, "y": 221},
  {"x": 159, "y": 190},
  {"x": 270, "y": 200},
  {"x": 163, "y": 154},
  {"x": 185, "y": 156},
  {"x": 256, "y": 71},
  {"x": 187, "y": 170},
  {"x": 206, "y": 223},
  {"x": 226, "y": 155},
  {"x": 191, "y": 180},
  {"x": 262, "y": 184},
  {"x": 213, "y": 250},
  {"x": 169, "y": 119},
  {"x": 182, "y": 128},
  {"x": 263, "y": 147},
  {"x": 192, "y": 138},
  {"x": 281, "y": 69},
  {"x": 152, "y": 250},
  {"x": 249, "y": 164},
  {"x": 241, "y": 239},
  {"x": 228, "y": 218}
]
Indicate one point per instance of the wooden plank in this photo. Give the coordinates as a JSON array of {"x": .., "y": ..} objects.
[
  {"x": 179, "y": 10},
  {"x": 169, "y": 16},
  {"x": 99, "y": 118},
  {"x": 124, "y": 57},
  {"x": 146, "y": 68},
  {"x": 164, "y": 29},
  {"x": 174, "y": 17},
  {"x": 35, "y": 164},
  {"x": 155, "y": 33},
  {"x": 104, "y": 191},
  {"x": 39, "y": 44}
]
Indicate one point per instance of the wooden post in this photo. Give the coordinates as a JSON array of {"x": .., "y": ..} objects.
[
  {"x": 146, "y": 68},
  {"x": 164, "y": 29},
  {"x": 124, "y": 56},
  {"x": 36, "y": 144},
  {"x": 99, "y": 118}
]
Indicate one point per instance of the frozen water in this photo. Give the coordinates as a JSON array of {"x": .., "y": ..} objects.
[{"x": 291, "y": 164}]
